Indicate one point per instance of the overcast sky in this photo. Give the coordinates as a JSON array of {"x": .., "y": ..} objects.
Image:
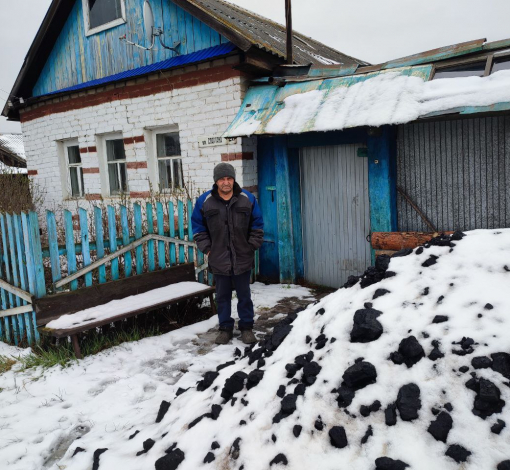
[{"x": 372, "y": 30}]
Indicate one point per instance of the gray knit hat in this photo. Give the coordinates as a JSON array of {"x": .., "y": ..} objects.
[{"x": 224, "y": 169}]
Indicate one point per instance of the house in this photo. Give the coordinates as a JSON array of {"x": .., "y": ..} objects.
[
  {"x": 418, "y": 144},
  {"x": 12, "y": 154},
  {"x": 129, "y": 97}
]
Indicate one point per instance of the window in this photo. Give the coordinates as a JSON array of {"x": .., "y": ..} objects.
[
  {"x": 501, "y": 63},
  {"x": 74, "y": 169},
  {"x": 116, "y": 163},
  {"x": 168, "y": 153},
  {"x": 473, "y": 69},
  {"x": 103, "y": 14}
]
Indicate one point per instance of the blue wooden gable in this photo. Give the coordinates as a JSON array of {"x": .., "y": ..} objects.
[{"x": 77, "y": 58}]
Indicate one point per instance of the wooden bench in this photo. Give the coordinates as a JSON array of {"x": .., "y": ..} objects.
[{"x": 82, "y": 303}]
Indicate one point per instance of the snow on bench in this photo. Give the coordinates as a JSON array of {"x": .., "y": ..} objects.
[{"x": 128, "y": 304}]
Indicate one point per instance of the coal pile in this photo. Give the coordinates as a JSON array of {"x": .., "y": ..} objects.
[{"x": 409, "y": 367}]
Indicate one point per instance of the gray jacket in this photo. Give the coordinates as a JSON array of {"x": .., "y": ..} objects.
[{"x": 231, "y": 231}]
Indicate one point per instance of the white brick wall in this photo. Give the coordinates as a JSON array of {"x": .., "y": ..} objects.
[{"x": 197, "y": 111}]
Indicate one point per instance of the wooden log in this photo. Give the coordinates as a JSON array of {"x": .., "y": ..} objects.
[{"x": 395, "y": 241}]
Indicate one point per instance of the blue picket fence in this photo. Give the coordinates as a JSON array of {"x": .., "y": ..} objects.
[{"x": 91, "y": 247}]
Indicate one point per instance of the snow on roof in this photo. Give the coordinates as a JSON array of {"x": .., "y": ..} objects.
[
  {"x": 375, "y": 99},
  {"x": 13, "y": 144}
]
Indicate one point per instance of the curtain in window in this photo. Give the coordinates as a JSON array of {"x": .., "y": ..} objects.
[{"x": 103, "y": 11}]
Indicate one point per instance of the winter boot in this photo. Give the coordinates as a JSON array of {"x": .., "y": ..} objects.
[
  {"x": 224, "y": 337},
  {"x": 247, "y": 337}
]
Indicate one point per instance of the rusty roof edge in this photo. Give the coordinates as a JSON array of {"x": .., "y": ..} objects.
[
  {"x": 440, "y": 53},
  {"x": 265, "y": 45},
  {"x": 495, "y": 45}
]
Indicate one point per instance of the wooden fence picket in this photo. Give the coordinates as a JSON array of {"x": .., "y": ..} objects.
[
  {"x": 137, "y": 209},
  {"x": 23, "y": 261},
  {"x": 20, "y": 253},
  {"x": 150, "y": 244},
  {"x": 70, "y": 247},
  {"x": 160, "y": 217},
  {"x": 171, "y": 224},
  {"x": 124, "y": 223},
  {"x": 85, "y": 243},
  {"x": 112, "y": 235},
  {"x": 98, "y": 224}
]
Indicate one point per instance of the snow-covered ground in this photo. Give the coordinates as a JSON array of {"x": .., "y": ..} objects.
[
  {"x": 309, "y": 400},
  {"x": 105, "y": 397}
]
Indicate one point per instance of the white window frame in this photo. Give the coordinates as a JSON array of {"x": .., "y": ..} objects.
[
  {"x": 153, "y": 151},
  {"x": 106, "y": 191},
  {"x": 86, "y": 18},
  {"x": 65, "y": 171}
]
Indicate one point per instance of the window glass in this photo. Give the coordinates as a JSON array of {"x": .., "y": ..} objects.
[
  {"x": 165, "y": 174},
  {"x": 117, "y": 173},
  {"x": 75, "y": 171},
  {"x": 177, "y": 171},
  {"x": 115, "y": 150},
  {"x": 475, "y": 69},
  {"x": 500, "y": 63},
  {"x": 168, "y": 144},
  {"x": 168, "y": 152},
  {"x": 103, "y": 11},
  {"x": 73, "y": 154}
]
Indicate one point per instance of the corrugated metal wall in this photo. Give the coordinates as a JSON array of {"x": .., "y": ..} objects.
[
  {"x": 457, "y": 172},
  {"x": 335, "y": 213}
]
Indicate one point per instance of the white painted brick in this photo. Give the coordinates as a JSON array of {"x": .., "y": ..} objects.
[{"x": 201, "y": 110}]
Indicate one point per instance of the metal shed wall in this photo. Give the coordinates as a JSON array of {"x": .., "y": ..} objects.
[{"x": 457, "y": 172}]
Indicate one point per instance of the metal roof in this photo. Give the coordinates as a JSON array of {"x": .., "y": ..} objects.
[
  {"x": 393, "y": 96},
  {"x": 12, "y": 150},
  {"x": 265, "y": 34},
  {"x": 178, "y": 61}
]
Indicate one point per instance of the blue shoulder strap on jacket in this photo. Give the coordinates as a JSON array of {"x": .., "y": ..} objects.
[
  {"x": 197, "y": 220},
  {"x": 256, "y": 213}
]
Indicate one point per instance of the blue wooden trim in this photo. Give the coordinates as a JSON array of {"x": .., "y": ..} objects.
[
  {"x": 180, "y": 215},
  {"x": 269, "y": 261},
  {"x": 137, "y": 209},
  {"x": 10, "y": 296},
  {"x": 40, "y": 282},
  {"x": 190, "y": 233},
  {"x": 77, "y": 59},
  {"x": 128, "y": 261},
  {"x": 85, "y": 240},
  {"x": 295, "y": 201},
  {"x": 71, "y": 255},
  {"x": 150, "y": 243},
  {"x": 15, "y": 276},
  {"x": 18, "y": 231},
  {"x": 171, "y": 226},
  {"x": 32, "y": 283},
  {"x": 51, "y": 225},
  {"x": 99, "y": 245},
  {"x": 382, "y": 180},
  {"x": 161, "y": 231},
  {"x": 286, "y": 245},
  {"x": 318, "y": 139},
  {"x": 112, "y": 233}
]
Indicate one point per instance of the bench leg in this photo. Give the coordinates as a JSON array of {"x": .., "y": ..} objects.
[
  {"x": 76, "y": 346},
  {"x": 213, "y": 304}
]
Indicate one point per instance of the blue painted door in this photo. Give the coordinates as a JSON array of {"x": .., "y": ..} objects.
[
  {"x": 335, "y": 213},
  {"x": 269, "y": 263}
]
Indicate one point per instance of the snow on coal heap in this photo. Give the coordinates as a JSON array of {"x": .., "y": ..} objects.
[{"x": 409, "y": 372}]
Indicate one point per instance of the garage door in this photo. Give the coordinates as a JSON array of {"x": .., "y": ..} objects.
[
  {"x": 335, "y": 210},
  {"x": 456, "y": 172}
]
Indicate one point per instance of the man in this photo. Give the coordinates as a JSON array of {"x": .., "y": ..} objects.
[{"x": 228, "y": 228}]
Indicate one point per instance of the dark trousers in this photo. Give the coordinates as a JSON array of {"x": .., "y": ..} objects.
[{"x": 224, "y": 287}]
